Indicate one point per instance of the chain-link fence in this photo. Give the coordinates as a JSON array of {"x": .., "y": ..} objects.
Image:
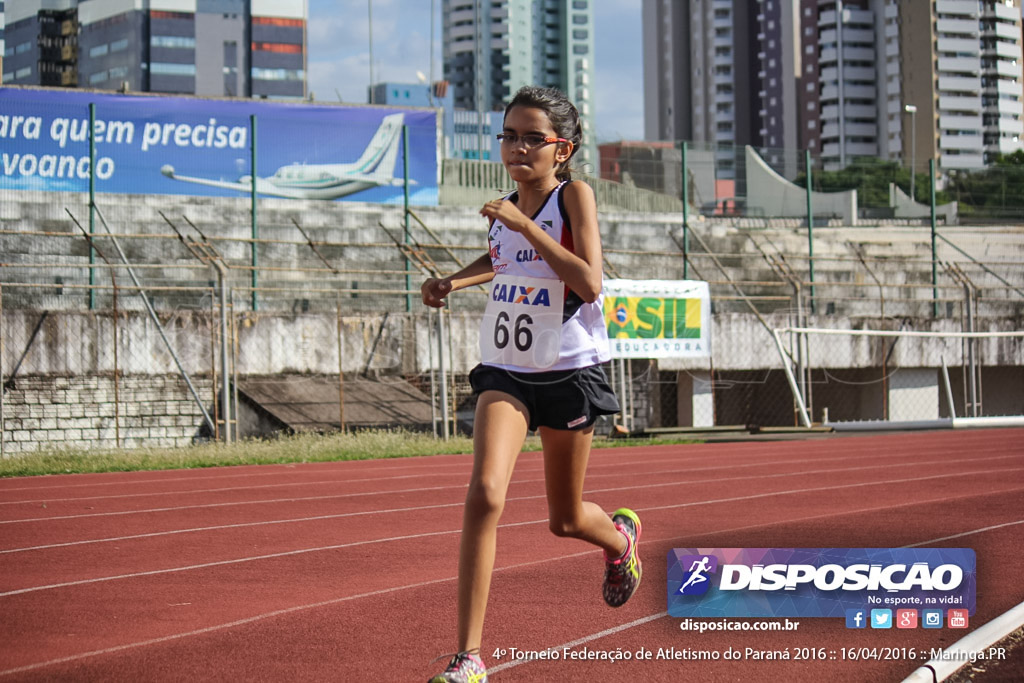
[
  {"x": 724, "y": 180},
  {"x": 120, "y": 325}
]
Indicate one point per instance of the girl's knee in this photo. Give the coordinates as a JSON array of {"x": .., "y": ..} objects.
[
  {"x": 565, "y": 527},
  {"x": 485, "y": 498}
]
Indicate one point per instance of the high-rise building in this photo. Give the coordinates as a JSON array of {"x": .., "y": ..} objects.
[
  {"x": 904, "y": 81},
  {"x": 250, "y": 48},
  {"x": 940, "y": 79},
  {"x": 720, "y": 72},
  {"x": 494, "y": 47}
]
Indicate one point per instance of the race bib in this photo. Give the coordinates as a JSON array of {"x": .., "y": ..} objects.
[{"x": 522, "y": 324}]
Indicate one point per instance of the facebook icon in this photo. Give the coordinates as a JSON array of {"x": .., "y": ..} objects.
[{"x": 856, "y": 618}]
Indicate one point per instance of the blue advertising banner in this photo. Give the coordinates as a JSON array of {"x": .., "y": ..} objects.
[
  {"x": 196, "y": 146},
  {"x": 819, "y": 582}
]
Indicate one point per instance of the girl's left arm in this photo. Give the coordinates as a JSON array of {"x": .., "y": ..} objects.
[{"x": 581, "y": 269}]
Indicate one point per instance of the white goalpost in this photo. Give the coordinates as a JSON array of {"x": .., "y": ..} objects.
[{"x": 900, "y": 377}]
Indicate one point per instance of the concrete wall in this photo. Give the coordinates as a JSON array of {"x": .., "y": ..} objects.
[
  {"x": 772, "y": 195},
  {"x": 58, "y": 412}
]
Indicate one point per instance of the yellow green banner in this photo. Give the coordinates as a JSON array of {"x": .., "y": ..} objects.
[{"x": 658, "y": 318}]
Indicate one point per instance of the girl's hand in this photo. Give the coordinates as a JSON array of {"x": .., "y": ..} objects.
[
  {"x": 434, "y": 290},
  {"x": 506, "y": 212}
]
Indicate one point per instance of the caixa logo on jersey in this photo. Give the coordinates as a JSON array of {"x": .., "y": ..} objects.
[
  {"x": 817, "y": 582},
  {"x": 526, "y": 296}
]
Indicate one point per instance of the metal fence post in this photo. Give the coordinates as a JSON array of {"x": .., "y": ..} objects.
[
  {"x": 686, "y": 215},
  {"x": 405, "y": 197},
  {"x": 92, "y": 203},
  {"x": 935, "y": 274},
  {"x": 3, "y": 383},
  {"x": 810, "y": 225},
  {"x": 225, "y": 392},
  {"x": 253, "y": 212},
  {"x": 443, "y": 381}
]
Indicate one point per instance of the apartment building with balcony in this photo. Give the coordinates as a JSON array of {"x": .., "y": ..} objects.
[
  {"x": 494, "y": 47},
  {"x": 251, "y": 48},
  {"x": 721, "y": 72},
  {"x": 911, "y": 82}
]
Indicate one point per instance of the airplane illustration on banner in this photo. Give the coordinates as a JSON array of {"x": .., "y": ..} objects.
[{"x": 376, "y": 167}]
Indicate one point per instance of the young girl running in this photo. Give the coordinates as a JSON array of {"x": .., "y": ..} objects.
[{"x": 542, "y": 341}]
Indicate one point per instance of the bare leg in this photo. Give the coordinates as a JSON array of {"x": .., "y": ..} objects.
[
  {"x": 565, "y": 465},
  {"x": 498, "y": 435}
]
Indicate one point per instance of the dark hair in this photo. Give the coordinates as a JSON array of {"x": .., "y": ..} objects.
[{"x": 561, "y": 113}]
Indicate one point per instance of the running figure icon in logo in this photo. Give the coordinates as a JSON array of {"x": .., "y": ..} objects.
[{"x": 696, "y": 582}]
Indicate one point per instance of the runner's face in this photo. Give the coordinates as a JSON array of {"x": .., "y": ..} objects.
[{"x": 537, "y": 163}]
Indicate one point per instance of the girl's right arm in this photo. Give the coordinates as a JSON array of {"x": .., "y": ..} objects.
[{"x": 434, "y": 290}]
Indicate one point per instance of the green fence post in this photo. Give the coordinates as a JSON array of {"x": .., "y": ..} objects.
[
  {"x": 935, "y": 272},
  {"x": 405, "y": 197},
  {"x": 92, "y": 203},
  {"x": 253, "y": 214},
  {"x": 686, "y": 216},
  {"x": 810, "y": 224}
]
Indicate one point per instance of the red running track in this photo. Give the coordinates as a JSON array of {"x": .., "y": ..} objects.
[{"x": 346, "y": 571}]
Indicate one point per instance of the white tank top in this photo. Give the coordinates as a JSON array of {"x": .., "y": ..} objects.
[{"x": 584, "y": 335}]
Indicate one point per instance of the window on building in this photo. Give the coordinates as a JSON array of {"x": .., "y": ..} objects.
[
  {"x": 278, "y": 74},
  {"x": 178, "y": 42},
  {"x": 99, "y": 50},
  {"x": 277, "y": 21},
  {"x": 119, "y": 45},
  {"x": 279, "y": 48},
  {"x": 167, "y": 69},
  {"x": 98, "y": 77}
]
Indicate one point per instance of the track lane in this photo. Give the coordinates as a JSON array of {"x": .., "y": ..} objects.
[
  {"x": 158, "y": 603},
  {"x": 569, "y": 586}
]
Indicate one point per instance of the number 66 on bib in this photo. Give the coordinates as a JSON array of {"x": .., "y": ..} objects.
[{"x": 522, "y": 325}]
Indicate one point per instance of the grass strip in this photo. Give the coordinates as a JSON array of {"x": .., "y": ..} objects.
[{"x": 300, "y": 448}]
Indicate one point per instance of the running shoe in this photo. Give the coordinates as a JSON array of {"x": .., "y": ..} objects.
[
  {"x": 622, "y": 575},
  {"x": 465, "y": 667}
]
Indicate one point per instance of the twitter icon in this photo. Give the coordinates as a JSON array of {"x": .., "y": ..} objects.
[{"x": 881, "y": 618}]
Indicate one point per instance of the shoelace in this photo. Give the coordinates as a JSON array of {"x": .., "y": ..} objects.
[{"x": 456, "y": 657}]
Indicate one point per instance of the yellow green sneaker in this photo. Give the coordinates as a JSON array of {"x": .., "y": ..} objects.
[
  {"x": 622, "y": 575},
  {"x": 464, "y": 667}
]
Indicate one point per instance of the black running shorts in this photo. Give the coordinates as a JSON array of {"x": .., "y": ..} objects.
[{"x": 559, "y": 399}]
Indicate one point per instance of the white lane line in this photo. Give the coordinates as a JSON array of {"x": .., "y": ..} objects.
[
  {"x": 585, "y": 639},
  {"x": 303, "y": 551},
  {"x": 425, "y": 462},
  {"x": 289, "y": 484},
  {"x": 519, "y": 482},
  {"x": 293, "y": 520},
  {"x": 527, "y": 468},
  {"x": 271, "y": 470},
  {"x": 955, "y": 536},
  {"x": 417, "y": 508}
]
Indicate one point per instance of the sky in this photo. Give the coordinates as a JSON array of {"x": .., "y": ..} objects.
[{"x": 339, "y": 54}]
